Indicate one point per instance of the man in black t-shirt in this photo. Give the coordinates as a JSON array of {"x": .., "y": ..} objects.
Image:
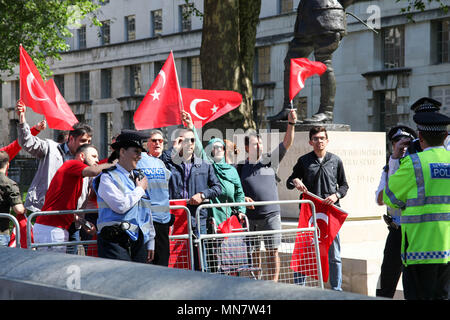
[{"x": 259, "y": 182}]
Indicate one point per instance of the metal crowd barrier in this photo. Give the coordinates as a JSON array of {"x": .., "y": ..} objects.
[
  {"x": 231, "y": 253},
  {"x": 241, "y": 254},
  {"x": 91, "y": 245},
  {"x": 181, "y": 245},
  {"x": 16, "y": 224}
]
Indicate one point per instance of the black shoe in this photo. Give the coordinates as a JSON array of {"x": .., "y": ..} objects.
[
  {"x": 282, "y": 115},
  {"x": 323, "y": 117}
]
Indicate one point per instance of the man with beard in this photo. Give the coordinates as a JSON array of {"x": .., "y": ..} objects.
[{"x": 63, "y": 193}]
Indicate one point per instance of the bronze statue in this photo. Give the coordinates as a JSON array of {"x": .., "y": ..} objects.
[{"x": 319, "y": 27}]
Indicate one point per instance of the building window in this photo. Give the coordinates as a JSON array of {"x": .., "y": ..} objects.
[
  {"x": 442, "y": 94},
  {"x": 185, "y": 18},
  {"x": 105, "y": 133},
  {"x": 133, "y": 76},
  {"x": 130, "y": 28},
  {"x": 105, "y": 78},
  {"x": 16, "y": 88},
  {"x": 127, "y": 120},
  {"x": 157, "y": 66},
  {"x": 443, "y": 41},
  {"x": 393, "y": 47},
  {"x": 262, "y": 68},
  {"x": 196, "y": 73},
  {"x": 59, "y": 81},
  {"x": 385, "y": 116},
  {"x": 285, "y": 6},
  {"x": 84, "y": 86},
  {"x": 156, "y": 22},
  {"x": 105, "y": 36},
  {"x": 81, "y": 37}
]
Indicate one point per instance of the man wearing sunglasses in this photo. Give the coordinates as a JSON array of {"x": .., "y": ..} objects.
[
  {"x": 158, "y": 187},
  {"x": 193, "y": 179}
]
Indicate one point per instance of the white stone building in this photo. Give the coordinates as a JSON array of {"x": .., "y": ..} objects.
[{"x": 108, "y": 70}]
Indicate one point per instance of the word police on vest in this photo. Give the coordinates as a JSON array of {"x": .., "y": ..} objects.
[{"x": 440, "y": 170}]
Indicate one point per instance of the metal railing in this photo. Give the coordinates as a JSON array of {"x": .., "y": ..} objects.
[
  {"x": 53, "y": 213},
  {"x": 16, "y": 224},
  {"x": 239, "y": 250}
]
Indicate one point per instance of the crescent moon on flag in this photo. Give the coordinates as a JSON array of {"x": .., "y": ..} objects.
[
  {"x": 163, "y": 75},
  {"x": 193, "y": 107},
  {"x": 30, "y": 79},
  {"x": 319, "y": 216},
  {"x": 299, "y": 79}
]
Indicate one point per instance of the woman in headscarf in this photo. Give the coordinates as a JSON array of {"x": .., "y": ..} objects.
[{"x": 229, "y": 179}]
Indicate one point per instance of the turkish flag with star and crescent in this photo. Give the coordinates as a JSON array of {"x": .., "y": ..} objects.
[
  {"x": 43, "y": 97},
  {"x": 301, "y": 69},
  {"x": 329, "y": 219},
  {"x": 162, "y": 105},
  {"x": 207, "y": 105}
]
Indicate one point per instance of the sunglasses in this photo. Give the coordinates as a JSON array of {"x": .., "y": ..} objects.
[
  {"x": 157, "y": 140},
  {"x": 191, "y": 140}
]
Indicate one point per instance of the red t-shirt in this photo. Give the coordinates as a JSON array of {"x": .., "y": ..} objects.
[{"x": 63, "y": 193}]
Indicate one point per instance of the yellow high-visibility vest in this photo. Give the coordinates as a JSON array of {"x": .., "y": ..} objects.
[{"x": 421, "y": 188}]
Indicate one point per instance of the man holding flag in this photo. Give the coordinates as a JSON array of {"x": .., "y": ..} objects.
[{"x": 322, "y": 173}]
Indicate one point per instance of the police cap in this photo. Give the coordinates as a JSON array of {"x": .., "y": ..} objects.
[
  {"x": 431, "y": 121},
  {"x": 130, "y": 138},
  {"x": 401, "y": 131},
  {"x": 426, "y": 104}
]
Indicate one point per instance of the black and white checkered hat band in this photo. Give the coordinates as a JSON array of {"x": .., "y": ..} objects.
[{"x": 434, "y": 127}]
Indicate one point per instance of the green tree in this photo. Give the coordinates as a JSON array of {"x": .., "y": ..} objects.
[{"x": 41, "y": 26}]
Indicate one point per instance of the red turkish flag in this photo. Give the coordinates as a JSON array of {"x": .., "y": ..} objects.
[
  {"x": 207, "y": 105},
  {"x": 179, "y": 248},
  {"x": 162, "y": 105},
  {"x": 32, "y": 87},
  {"x": 61, "y": 117},
  {"x": 329, "y": 219},
  {"x": 301, "y": 69},
  {"x": 43, "y": 97},
  {"x": 232, "y": 224}
]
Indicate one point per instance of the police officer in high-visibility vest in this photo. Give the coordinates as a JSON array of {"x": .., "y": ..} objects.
[
  {"x": 124, "y": 221},
  {"x": 421, "y": 188}
]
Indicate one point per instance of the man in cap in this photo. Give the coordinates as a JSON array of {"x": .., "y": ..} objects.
[
  {"x": 391, "y": 268},
  {"x": 421, "y": 189},
  {"x": 124, "y": 222},
  {"x": 424, "y": 104}
]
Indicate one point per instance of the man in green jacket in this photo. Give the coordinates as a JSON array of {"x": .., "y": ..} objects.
[{"x": 421, "y": 188}]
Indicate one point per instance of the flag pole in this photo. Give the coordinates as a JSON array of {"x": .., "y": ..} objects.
[{"x": 178, "y": 84}]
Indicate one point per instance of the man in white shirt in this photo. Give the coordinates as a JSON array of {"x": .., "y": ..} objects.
[{"x": 124, "y": 222}]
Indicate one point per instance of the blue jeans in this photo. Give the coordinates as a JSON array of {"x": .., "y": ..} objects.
[
  {"x": 4, "y": 240},
  {"x": 335, "y": 264}
]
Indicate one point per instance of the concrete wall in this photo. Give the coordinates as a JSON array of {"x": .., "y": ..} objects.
[{"x": 27, "y": 274}]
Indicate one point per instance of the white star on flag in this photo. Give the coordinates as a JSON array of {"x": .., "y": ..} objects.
[
  {"x": 155, "y": 95},
  {"x": 214, "y": 109}
]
